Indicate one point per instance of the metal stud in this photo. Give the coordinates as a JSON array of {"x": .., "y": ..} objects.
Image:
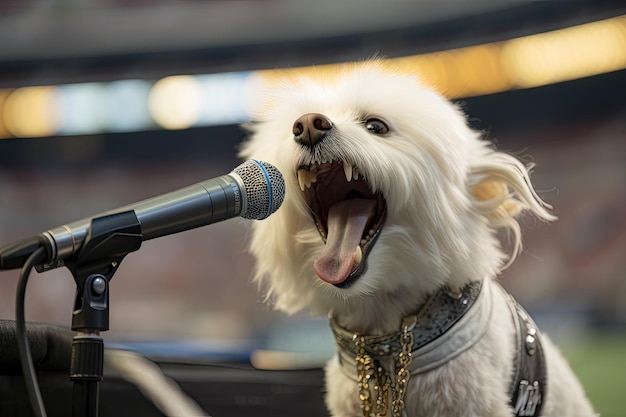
[
  {"x": 455, "y": 294},
  {"x": 531, "y": 346}
]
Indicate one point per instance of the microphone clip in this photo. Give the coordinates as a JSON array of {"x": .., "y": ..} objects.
[{"x": 109, "y": 239}]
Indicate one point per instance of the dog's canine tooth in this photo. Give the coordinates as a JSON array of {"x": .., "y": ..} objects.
[
  {"x": 301, "y": 178},
  {"x": 355, "y": 173},
  {"x": 306, "y": 178},
  {"x": 347, "y": 169},
  {"x": 358, "y": 255}
]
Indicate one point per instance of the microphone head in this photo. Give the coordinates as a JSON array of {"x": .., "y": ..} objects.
[{"x": 264, "y": 187}]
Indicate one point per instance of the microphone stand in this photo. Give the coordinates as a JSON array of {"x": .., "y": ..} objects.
[{"x": 109, "y": 239}]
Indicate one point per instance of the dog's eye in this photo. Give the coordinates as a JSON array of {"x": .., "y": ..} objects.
[{"x": 376, "y": 126}]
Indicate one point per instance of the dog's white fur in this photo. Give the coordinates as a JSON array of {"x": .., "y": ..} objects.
[{"x": 447, "y": 191}]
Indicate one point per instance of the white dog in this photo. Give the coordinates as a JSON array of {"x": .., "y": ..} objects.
[{"x": 389, "y": 227}]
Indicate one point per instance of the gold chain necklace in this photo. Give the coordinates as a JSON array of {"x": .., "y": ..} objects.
[{"x": 375, "y": 385}]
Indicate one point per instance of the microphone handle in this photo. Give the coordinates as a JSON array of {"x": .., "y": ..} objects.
[
  {"x": 197, "y": 205},
  {"x": 205, "y": 203}
]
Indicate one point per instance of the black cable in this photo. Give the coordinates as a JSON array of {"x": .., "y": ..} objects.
[{"x": 28, "y": 369}]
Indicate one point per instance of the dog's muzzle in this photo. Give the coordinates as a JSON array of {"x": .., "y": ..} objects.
[{"x": 348, "y": 214}]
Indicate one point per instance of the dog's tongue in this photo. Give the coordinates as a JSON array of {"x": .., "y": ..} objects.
[{"x": 346, "y": 223}]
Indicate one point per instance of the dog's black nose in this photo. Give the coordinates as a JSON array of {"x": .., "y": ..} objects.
[{"x": 311, "y": 128}]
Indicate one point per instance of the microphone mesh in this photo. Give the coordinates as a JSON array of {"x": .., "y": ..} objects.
[{"x": 264, "y": 188}]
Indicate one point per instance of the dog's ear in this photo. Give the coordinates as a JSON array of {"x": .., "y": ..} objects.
[
  {"x": 495, "y": 197},
  {"x": 501, "y": 190}
]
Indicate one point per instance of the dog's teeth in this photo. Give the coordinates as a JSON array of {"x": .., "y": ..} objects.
[
  {"x": 301, "y": 178},
  {"x": 355, "y": 173},
  {"x": 347, "y": 169},
  {"x": 371, "y": 232},
  {"x": 358, "y": 256},
  {"x": 311, "y": 177},
  {"x": 306, "y": 178}
]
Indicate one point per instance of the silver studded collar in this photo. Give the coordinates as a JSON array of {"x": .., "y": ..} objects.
[{"x": 445, "y": 326}]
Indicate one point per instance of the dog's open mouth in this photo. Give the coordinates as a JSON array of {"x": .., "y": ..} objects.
[{"x": 348, "y": 215}]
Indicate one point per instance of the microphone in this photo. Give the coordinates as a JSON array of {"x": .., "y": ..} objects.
[{"x": 253, "y": 190}]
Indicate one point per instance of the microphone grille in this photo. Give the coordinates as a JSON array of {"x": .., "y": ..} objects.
[{"x": 264, "y": 187}]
